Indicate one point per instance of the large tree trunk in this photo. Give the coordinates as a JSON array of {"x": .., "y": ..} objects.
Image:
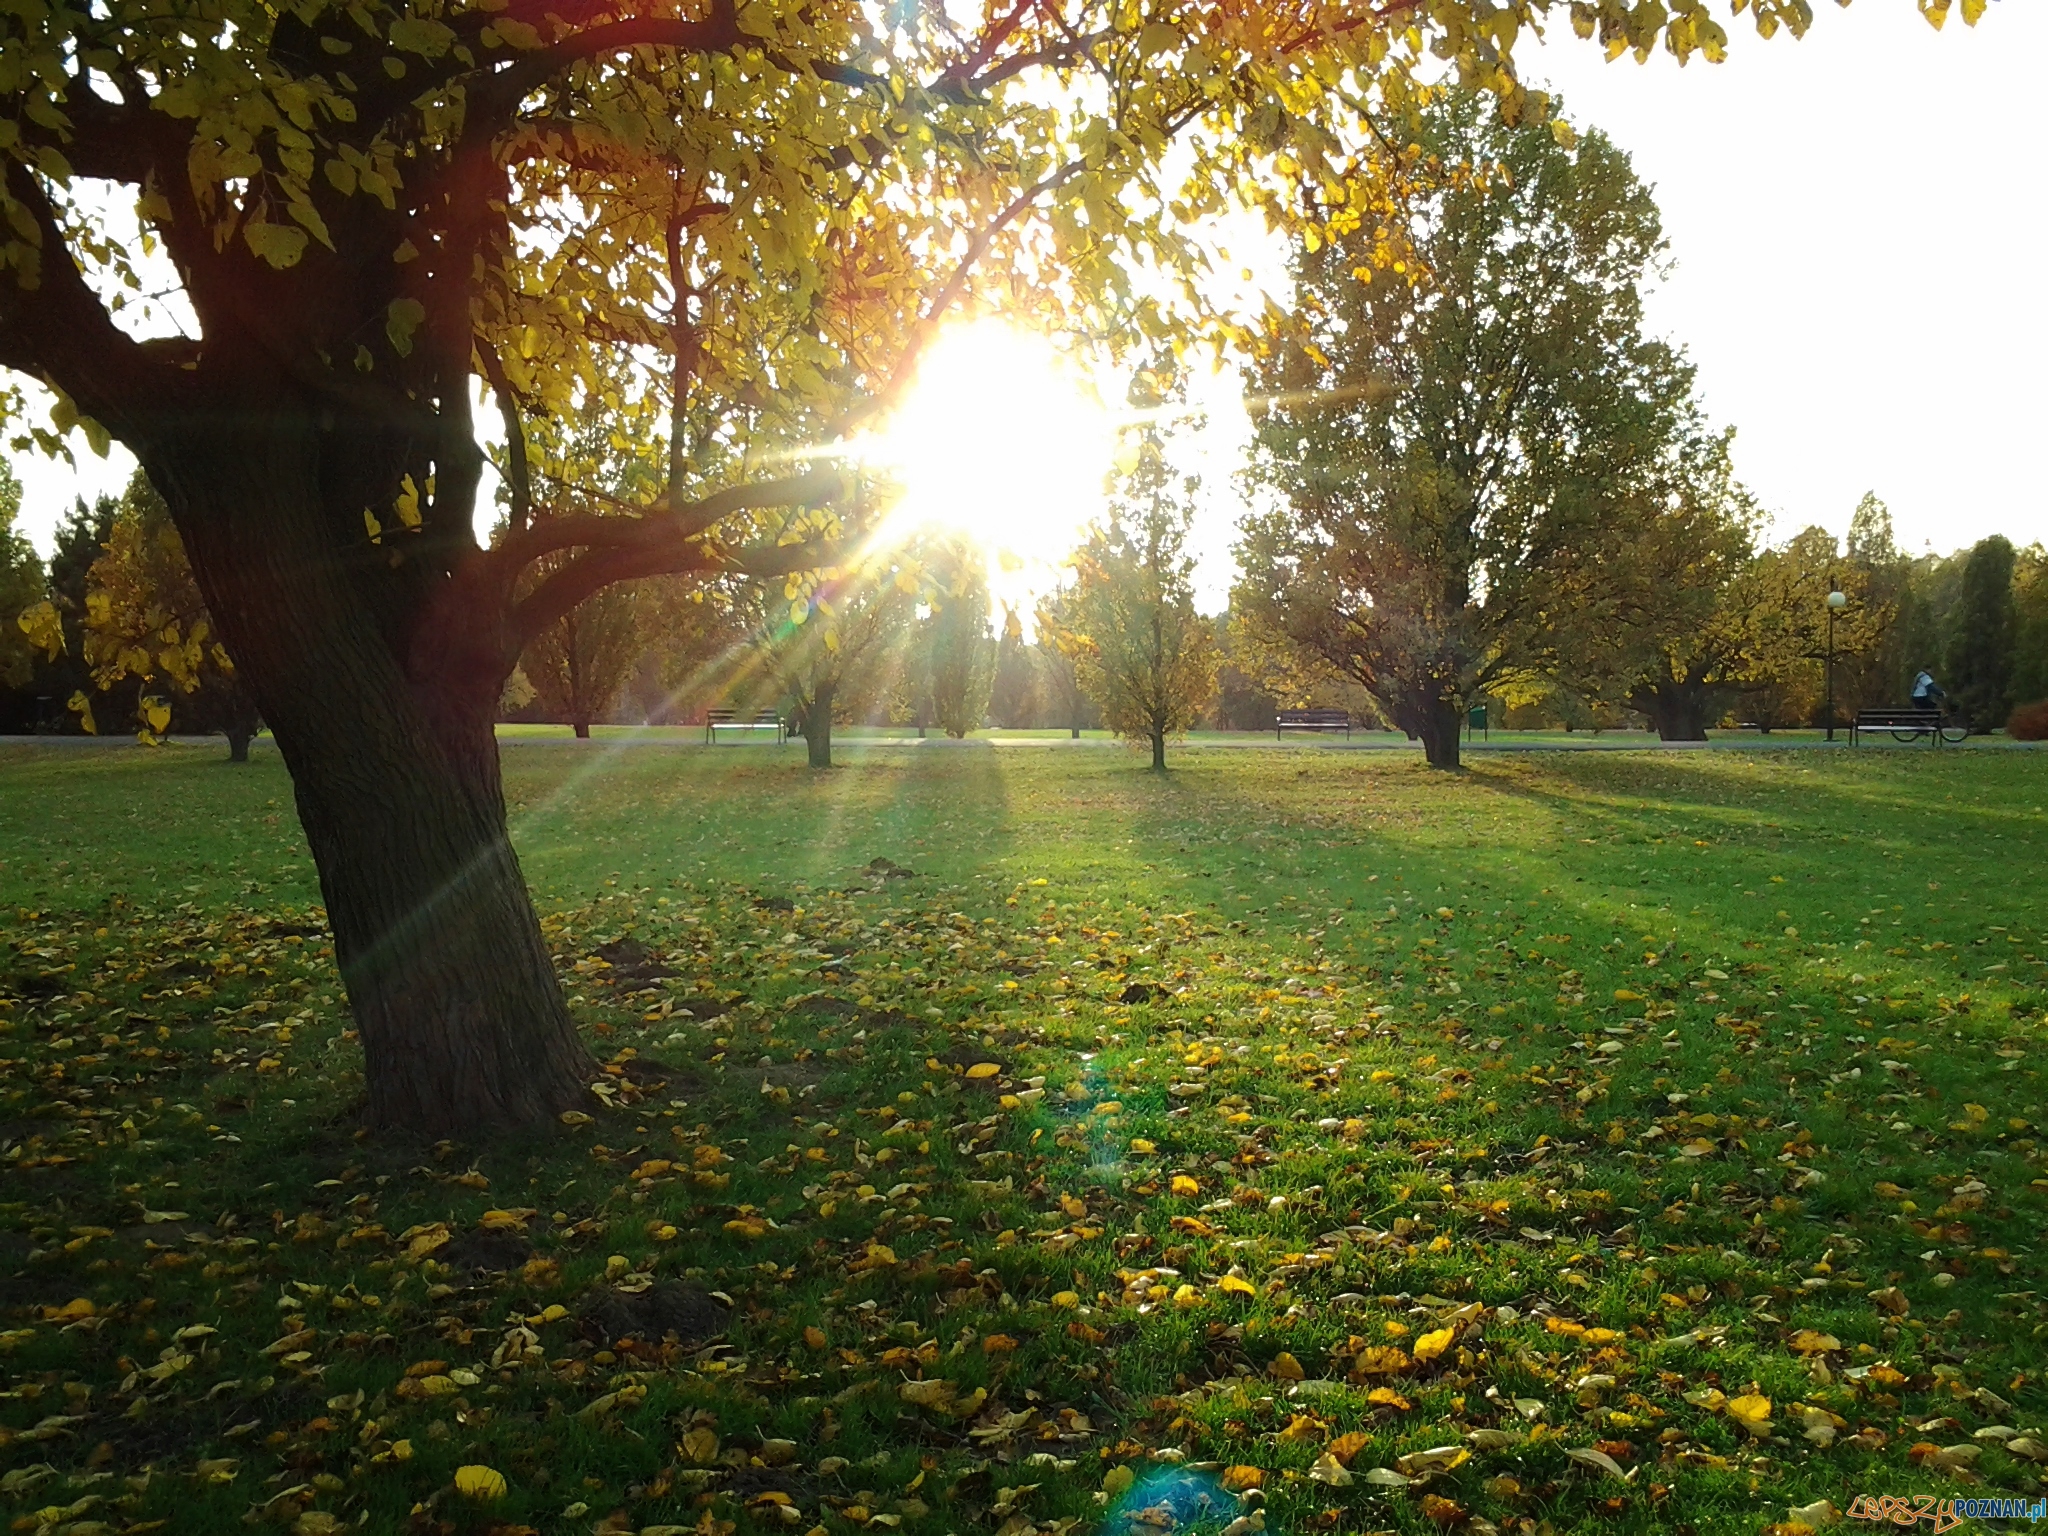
[
  {"x": 1438, "y": 725},
  {"x": 1159, "y": 751},
  {"x": 383, "y": 715},
  {"x": 1679, "y": 710},
  {"x": 818, "y": 724},
  {"x": 582, "y": 729}
]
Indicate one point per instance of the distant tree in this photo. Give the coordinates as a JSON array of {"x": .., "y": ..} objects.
[
  {"x": 1883, "y": 675},
  {"x": 959, "y": 654},
  {"x": 840, "y": 646},
  {"x": 1780, "y": 604},
  {"x": 1674, "y": 648},
  {"x": 1243, "y": 702},
  {"x": 1472, "y": 436},
  {"x": 1870, "y": 532},
  {"x": 1059, "y": 674},
  {"x": 1141, "y": 651},
  {"x": 21, "y": 586},
  {"x": 146, "y": 623},
  {"x": 578, "y": 665},
  {"x": 2030, "y": 631},
  {"x": 82, "y": 535},
  {"x": 1013, "y": 700},
  {"x": 1981, "y": 640}
]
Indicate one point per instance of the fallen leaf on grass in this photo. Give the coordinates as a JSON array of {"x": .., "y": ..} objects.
[
  {"x": 1807, "y": 1342},
  {"x": 1432, "y": 1344},
  {"x": 1753, "y": 1412},
  {"x": 1328, "y": 1469},
  {"x": 480, "y": 1483},
  {"x": 1600, "y": 1461},
  {"x": 1345, "y": 1447}
]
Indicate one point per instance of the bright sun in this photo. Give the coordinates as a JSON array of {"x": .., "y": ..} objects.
[{"x": 1002, "y": 439}]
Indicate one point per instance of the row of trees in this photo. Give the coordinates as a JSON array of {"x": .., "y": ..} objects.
[
  {"x": 1486, "y": 486},
  {"x": 1492, "y": 485}
]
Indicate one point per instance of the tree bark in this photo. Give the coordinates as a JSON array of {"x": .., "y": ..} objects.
[
  {"x": 1438, "y": 728},
  {"x": 582, "y": 729},
  {"x": 238, "y": 743},
  {"x": 1678, "y": 710},
  {"x": 388, "y": 738},
  {"x": 1159, "y": 751},
  {"x": 818, "y": 724}
]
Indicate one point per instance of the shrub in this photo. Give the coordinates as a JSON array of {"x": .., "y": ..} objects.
[{"x": 2029, "y": 722}]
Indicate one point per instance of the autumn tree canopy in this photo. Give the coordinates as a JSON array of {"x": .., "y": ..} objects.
[{"x": 1461, "y": 464}]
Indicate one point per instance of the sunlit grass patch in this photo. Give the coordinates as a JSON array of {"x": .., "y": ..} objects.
[{"x": 1604, "y": 1141}]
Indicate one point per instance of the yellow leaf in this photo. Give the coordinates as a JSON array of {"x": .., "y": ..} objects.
[
  {"x": 700, "y": 1445},
  {"x": 1432, "y": 1344},
  {"x": 278, "y": 244},
  {"x": 1807, "y": 1342},
  {"x": 1385, "y": 1397},
  {"x": 1238, "y": 1285},
  {"x": 1285, "y": 1367},
  {"x": 81, "y": 706},
  {"x": 1067, "y": 1299},
  {"x": 1380, "y": 1360},
  {"x": 44, "y": 628},
  {"x": 1752, "y": 1411},
  {"x": 1142, "y": 1147},
  {"x": 1183, "y": 1185},
  {"x": 477, "y": 1482},
  {"x": 983, "y": 1069},
  {"x": 1237, "y": 1479},
  {"x": 574, "y": 1117},
  {"x": 1344, "y": 1447}
]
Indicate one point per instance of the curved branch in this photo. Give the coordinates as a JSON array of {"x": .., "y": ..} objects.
[
  {"x": 661, "y": 529},
  {"x": 619, "y": 549},
  {"x": 495, "y": 99},
  {"x": 518, "y": 477},
  {"x": 58, "y": 330}
]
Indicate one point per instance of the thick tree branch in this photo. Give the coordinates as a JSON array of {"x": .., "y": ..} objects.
[
  {"x": 619, "y": 549},
  {"x": 495, "y": 99},
  {"x": 59, "y": 330},
  {"x": 661, "y": 529},
  {"x": 518, "y": 476}
]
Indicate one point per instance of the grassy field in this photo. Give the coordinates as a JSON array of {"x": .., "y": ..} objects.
[{"x": 1301, "y": 1142}]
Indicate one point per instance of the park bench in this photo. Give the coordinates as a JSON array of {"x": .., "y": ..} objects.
[
  {"x": 1312, "y": 720},
  {"x": 717, "y": 720},
  {"x": 1904, "y": 724}
]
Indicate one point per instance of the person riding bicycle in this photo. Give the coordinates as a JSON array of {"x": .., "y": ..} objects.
[{"x": 1927, "y": 693}]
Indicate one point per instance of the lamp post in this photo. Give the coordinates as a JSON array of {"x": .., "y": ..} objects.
[{"x": 1837, "y": 601}]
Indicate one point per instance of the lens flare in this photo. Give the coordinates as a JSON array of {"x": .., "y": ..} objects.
[{"x": 1003, "y": 440}]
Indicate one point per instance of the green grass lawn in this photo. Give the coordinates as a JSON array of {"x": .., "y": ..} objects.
[{"x": 1304, "y": 1140}]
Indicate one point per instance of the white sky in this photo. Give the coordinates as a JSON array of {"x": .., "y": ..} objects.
[
  {"x": 1856, "y": 223},
  {"x": 1857, "y": 220}
]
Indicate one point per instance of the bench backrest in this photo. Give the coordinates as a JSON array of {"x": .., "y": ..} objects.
[
  {"x": 718, "y": 716},
  {"x": 1896, "y": 716},
  {"x": 1313, "y": 717},
  {"x": 767, "y": 717}
]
